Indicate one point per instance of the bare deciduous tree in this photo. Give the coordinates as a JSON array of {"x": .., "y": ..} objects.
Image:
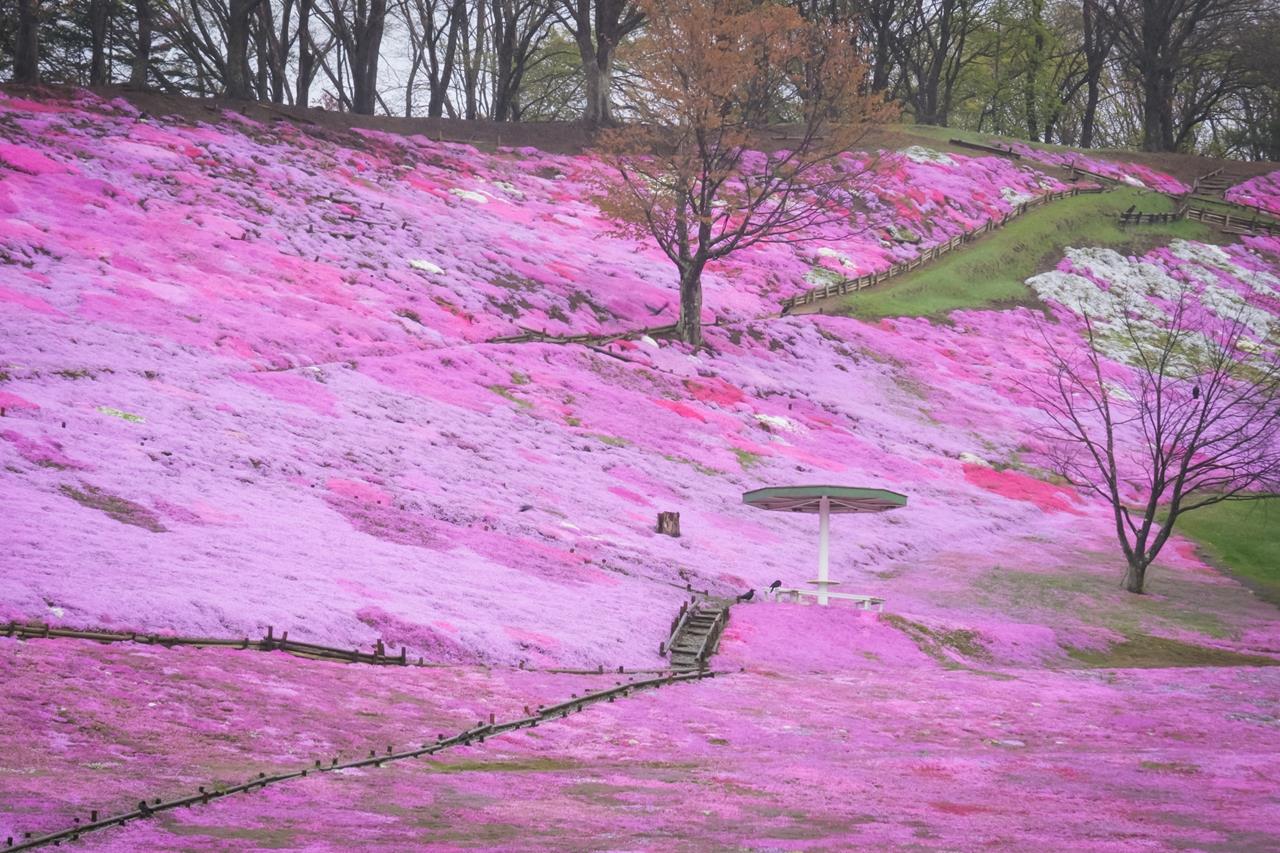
[
  {"x": 598, "y": 27},
  {"x": 718, "y": 73},
  {"x": 1192, "y": 419},
  {"x": 1165, "y": 43},
  {"x": 930, "y": 48}
]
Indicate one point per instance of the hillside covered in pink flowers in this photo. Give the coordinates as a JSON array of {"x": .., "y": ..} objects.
[{"x": 248, "y": 379}]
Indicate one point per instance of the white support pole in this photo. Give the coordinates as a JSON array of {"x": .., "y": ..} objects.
[{"x": 824, "y": 533}]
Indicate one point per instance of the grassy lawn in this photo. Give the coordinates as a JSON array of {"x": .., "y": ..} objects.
[
  {"x": 941, "y": 136},
  {"x": 991, "y": 272},
  {"x": 1244, "y": 536}
]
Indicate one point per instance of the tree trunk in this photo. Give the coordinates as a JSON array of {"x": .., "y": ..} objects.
[
  {"x": 99, "y": 11},
  {"x": 142, "y": 55},
  {"x": 261, "y": 37},
  {"x": 1090, "y": 113},
  {"x": 26, "y": 47},
  {"x": 472, "y": 58},
  {"x": 364, "y": 60},
  {"x": 597, "y": 69},
  {"x": 690, "y": 325},
  {"x": 669, "y": 524},
  {"x": 279, "y": 55},
  {"x": 504, "y": 48},
  {"x": 306, "y": 55},
  {"x": 1135, "y": 576},
  {"x": 1151, "y": 110},
  {"x": 440, "y": 83},
  {"x": 1168, "y": 139},
  {"x": 237, "y": 73}
]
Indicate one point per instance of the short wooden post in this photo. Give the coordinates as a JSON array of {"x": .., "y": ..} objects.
[{"x": 669, "y": 524}]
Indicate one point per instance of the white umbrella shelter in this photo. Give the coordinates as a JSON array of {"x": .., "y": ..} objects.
[{"x": 824, "y": 500}]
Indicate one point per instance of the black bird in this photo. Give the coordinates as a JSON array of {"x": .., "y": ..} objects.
[
  {"x": 774, "y": 585},
  {"x": 1195, "y": 393},
  {"x": 748, "y": 595}
]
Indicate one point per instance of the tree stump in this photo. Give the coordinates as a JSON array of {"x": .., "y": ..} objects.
[{"x": 669, "y": 524}]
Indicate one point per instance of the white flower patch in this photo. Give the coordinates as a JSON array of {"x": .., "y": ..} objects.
[
  {"x": 821, "y": 276},
  {"x": 920, "y": 154},
  {"x": 509, "y": 188},
  {"x": 973, "y": 459},
  {"x": 1075, "y": 292},
  {"x": 425, "y": 266},
  {"x": 1229, "y": 305},
  {"x": 1202, "y": 253},
  {"x": 1262, "y": 283},
  {"x": 470, "y": 195},
  {"x": 1130, "y": 281},
  {"x": 1012, "y": 196},
  {"x": 1129, "y": 287},
  {"x": 778, "y": 422},
  {"x": 1134, "y": 182},
  {"x": 828, "y": 252},
  {"x": 1115, "y": 392}
]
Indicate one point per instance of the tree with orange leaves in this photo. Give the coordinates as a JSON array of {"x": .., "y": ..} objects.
[{"x": 694, "y": 173}]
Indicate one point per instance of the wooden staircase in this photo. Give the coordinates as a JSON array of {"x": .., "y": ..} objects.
[
  {"x": 1215, "y": 184},
  {"x": 695, "y": 633}
]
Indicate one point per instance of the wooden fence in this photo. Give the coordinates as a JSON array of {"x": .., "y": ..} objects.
[
  {"x": 1133, "y": 216},
  {"x": 269, "y": 642},
  {"x": 1231, "y": 224},
  {"x": 851, "y": 285},
  {"x": 988, "y": 149},
  {"x": 528, "y": 335}
]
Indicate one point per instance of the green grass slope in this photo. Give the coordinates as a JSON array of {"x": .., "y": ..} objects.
[
  {"x": 1243, "y": 536},
  {"x": 992, "y": 271}
]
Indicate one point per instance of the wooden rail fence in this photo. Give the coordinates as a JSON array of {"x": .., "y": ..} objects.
[
  {"x": 267, "y": 643},
  {"x": 677, "y": 625},
  {"x": 1133, "y": 216},
  {"x": 851, "y": 285},
  {"x": 711, "y": 642},
  {"x": 1224, "y": 221},
  {"x": 528, "y": 335},
  {"x": 988, "y": 149},
  {"x": 204, "y": 794}
]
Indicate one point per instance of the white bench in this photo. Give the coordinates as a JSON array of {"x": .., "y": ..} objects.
[{"x": 793, "y": 595}]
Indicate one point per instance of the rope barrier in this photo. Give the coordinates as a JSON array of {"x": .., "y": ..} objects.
[{"x": 477, "y": 733}]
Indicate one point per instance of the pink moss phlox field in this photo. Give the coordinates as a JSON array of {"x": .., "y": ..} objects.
[
  {"x": 1262, "y": 191},
  {"x": 240, "y": 351},
  {"x": 246, "y": 383},
  {"x": 128, "y": 722},
  {"x": 1133, "y": 174},
  {"x": 839, "y": 732}
]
